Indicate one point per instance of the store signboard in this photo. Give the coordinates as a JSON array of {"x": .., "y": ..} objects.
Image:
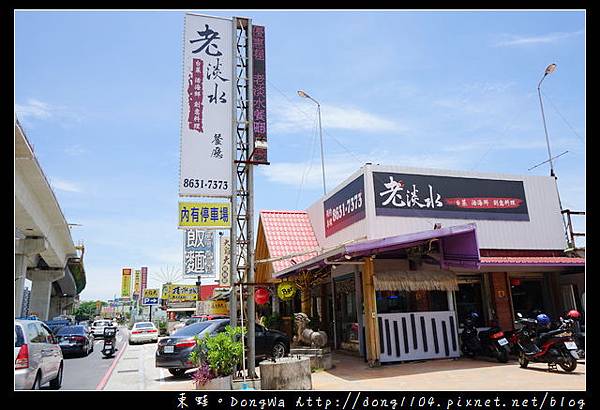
[
  {"x": 259, "y": 95},
  {"x": 345, "y": 207},
  {"x": 204, "y": 215},
  {"x": 144, "y": 284},
  {"x": 449, "y": 197},
  {"x": 180, "y": 293},
  {"x": 150, "y": 297},
  {"x": 126, "y": 283},
  {"x": 199, "y": 253},
  {"x": 137, "y": 283},
  {"x": 207, "y": 114},
  {"x": 225, "y": 261}
]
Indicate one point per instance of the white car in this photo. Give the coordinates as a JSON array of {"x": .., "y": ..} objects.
[
  {"x": 38, "y": 357},
  {"x": 98, "y": 327},
  {"x": 143, "y": 332}
]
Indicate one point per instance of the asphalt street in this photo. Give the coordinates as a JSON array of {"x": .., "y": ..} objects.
[{"x": 86, "y": 372}]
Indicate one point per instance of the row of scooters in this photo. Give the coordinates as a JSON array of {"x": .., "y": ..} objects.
[{"x": 534, "y": 340}]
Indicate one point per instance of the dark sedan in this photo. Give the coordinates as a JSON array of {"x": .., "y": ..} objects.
[
  {"x": 173, "y": 351},
  {"x": 75, "y": 339}
]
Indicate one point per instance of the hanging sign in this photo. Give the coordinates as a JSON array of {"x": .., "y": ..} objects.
[
  {"x": 225, "y": 266},
  {"x": 286, "y": 290},
  {"x": 199, "y": 251},
  {"x": 207, "y": 115},
  {"x": 204, "y": 215},
  {"x": 126, "y": 283}
]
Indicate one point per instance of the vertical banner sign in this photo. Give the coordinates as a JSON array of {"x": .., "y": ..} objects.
[
  {"x": 126, "y": 283},
  {"x": 206, "y": 123},
  {"x": 199, "y": 251},
  {"x": 225, "y": 253},
  {"x": 144, "y": 279},
  {"x": 259, "y": 95},
  {"x": 136, "y": 284}
]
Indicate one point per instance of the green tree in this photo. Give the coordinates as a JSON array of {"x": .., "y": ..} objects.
[{"x": 85, "y": 311}]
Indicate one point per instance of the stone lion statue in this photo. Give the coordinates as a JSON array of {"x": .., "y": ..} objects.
[{"x": 308, "y": 337}]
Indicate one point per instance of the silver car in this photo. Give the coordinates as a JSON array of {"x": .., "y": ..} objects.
[
  {"x": 99, "y": 325},
  {"x": 38, "y": 357}
]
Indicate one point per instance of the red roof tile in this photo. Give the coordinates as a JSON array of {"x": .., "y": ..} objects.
[
  {"x": 536, "y": 260},
  {"x": 288, "y": 232}
]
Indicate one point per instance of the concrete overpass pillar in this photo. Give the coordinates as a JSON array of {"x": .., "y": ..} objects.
[
  {"x": 23, "y": 249},
  {"x": 41, "y": 290}
]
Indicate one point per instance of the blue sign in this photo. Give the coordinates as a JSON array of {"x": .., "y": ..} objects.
[{"x": 150, "y": 301}]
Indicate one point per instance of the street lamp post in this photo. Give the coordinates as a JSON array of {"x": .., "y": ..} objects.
[
  {"x": 305, "y": 95},
  {"x": 550, "y": 69}
]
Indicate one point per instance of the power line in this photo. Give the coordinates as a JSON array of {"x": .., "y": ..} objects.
[{"x": 563, "y": 118}]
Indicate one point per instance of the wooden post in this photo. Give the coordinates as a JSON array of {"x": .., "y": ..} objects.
[{"x": 371, "y": 326}]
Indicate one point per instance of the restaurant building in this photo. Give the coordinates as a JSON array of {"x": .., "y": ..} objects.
[{"x": 391, "y": 261}]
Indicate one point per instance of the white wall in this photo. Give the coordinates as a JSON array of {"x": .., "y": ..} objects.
[{"x": 544, "y": 230}]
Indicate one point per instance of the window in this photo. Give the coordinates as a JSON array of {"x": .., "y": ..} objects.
[
  {"x": 143, "y": 325},
  {"x": 34, "y": 334},
  {"x": 19, "y": 337},
  {"x": 394, "y": 301}
]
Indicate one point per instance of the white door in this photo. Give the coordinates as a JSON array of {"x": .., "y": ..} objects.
[{"x": 35, "y": 347}]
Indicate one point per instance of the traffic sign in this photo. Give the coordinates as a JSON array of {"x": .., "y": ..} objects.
[
  {"x": 150, "y": 297},
  {"x": 150, "y": 302}
]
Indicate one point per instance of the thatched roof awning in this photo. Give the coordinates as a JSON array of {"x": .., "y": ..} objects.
[{"x": 416, "y": 280}]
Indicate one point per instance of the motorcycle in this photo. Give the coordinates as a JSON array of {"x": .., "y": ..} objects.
[
  {"x": 554, "y": 347},
  {"x": 491, "y": 342},
  {"x": 109, "y": 345}
]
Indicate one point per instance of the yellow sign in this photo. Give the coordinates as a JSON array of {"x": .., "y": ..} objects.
[
  {"x": 136, "y": 284},
  {"x": 204, "y": 215},
  {"x": 286, "y": 290},
  {"x": 150, "y": 293},
  {"x": 181, "y": 293},
  {"x": 126, "y": 283},
  {"x": 214, "y": 307}
]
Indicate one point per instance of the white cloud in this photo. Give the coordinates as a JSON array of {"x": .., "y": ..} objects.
[
  {"x": 516, "y": 40},
  {"x": 40, "y": 110},
  {"x": 288, "y": 117},
  {"x": 64, "y": 185},
  {"x": 340, "y": 167},
  {"x": 35, "y": 109}
]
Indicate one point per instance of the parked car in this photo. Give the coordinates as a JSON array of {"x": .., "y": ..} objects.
[
  {"x": 98, "y": 327},
  {"x": 196, "y": 319},
  {"x": 173, "y": 352},
  {"x": 38, "y": 357},
  {"x": 75, "y": 339},
  {"x": 57, "y": 323},
  {"x": 143, "y": 332}
]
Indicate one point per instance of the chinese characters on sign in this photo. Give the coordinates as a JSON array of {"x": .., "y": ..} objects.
[
  {"x": 199, "y": 253},
  {"x": 180, "y": 293},
  {"x": 449, "y": 197},
  {"x": 126, "y": 283},
  {"x": 206, "y": 131},
  {"x": 259, "y": 95},
  {"x": 136, "y": 284},
  {"x": 345, "y": 207},
  {"x": 225, "y": 265},
  {"x": 204, "y": 215},
  {"x": 144, "y": 279},
  {"x": 150, "y": 297}
]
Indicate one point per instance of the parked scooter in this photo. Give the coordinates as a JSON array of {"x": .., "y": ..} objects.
[
  {"x": 491, "y": 342},
  {"x": 537, "y": 344},
  {"x": 109, "y": 347},
  {"x": 578, "y": 334}
]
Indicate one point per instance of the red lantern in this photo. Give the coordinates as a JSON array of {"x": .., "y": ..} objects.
[
  {"x": 515, "y": 281},
  {"x": 261, "y": 296}
]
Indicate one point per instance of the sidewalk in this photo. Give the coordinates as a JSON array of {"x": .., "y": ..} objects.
[{"x": 353, "y": 373}]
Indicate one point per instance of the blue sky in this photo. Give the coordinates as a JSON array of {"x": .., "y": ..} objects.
[{"x": 99, "y": 96}]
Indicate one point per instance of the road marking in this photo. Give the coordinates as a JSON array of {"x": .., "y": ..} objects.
[{"x": 104, "y": 380}]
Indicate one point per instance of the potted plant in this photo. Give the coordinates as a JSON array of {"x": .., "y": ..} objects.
[{"x": 216, "y": 357}]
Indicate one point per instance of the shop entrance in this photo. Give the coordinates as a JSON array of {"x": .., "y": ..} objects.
[
  {"x": 529, "y": 297},
  {"x": 346, "y": 319}
]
